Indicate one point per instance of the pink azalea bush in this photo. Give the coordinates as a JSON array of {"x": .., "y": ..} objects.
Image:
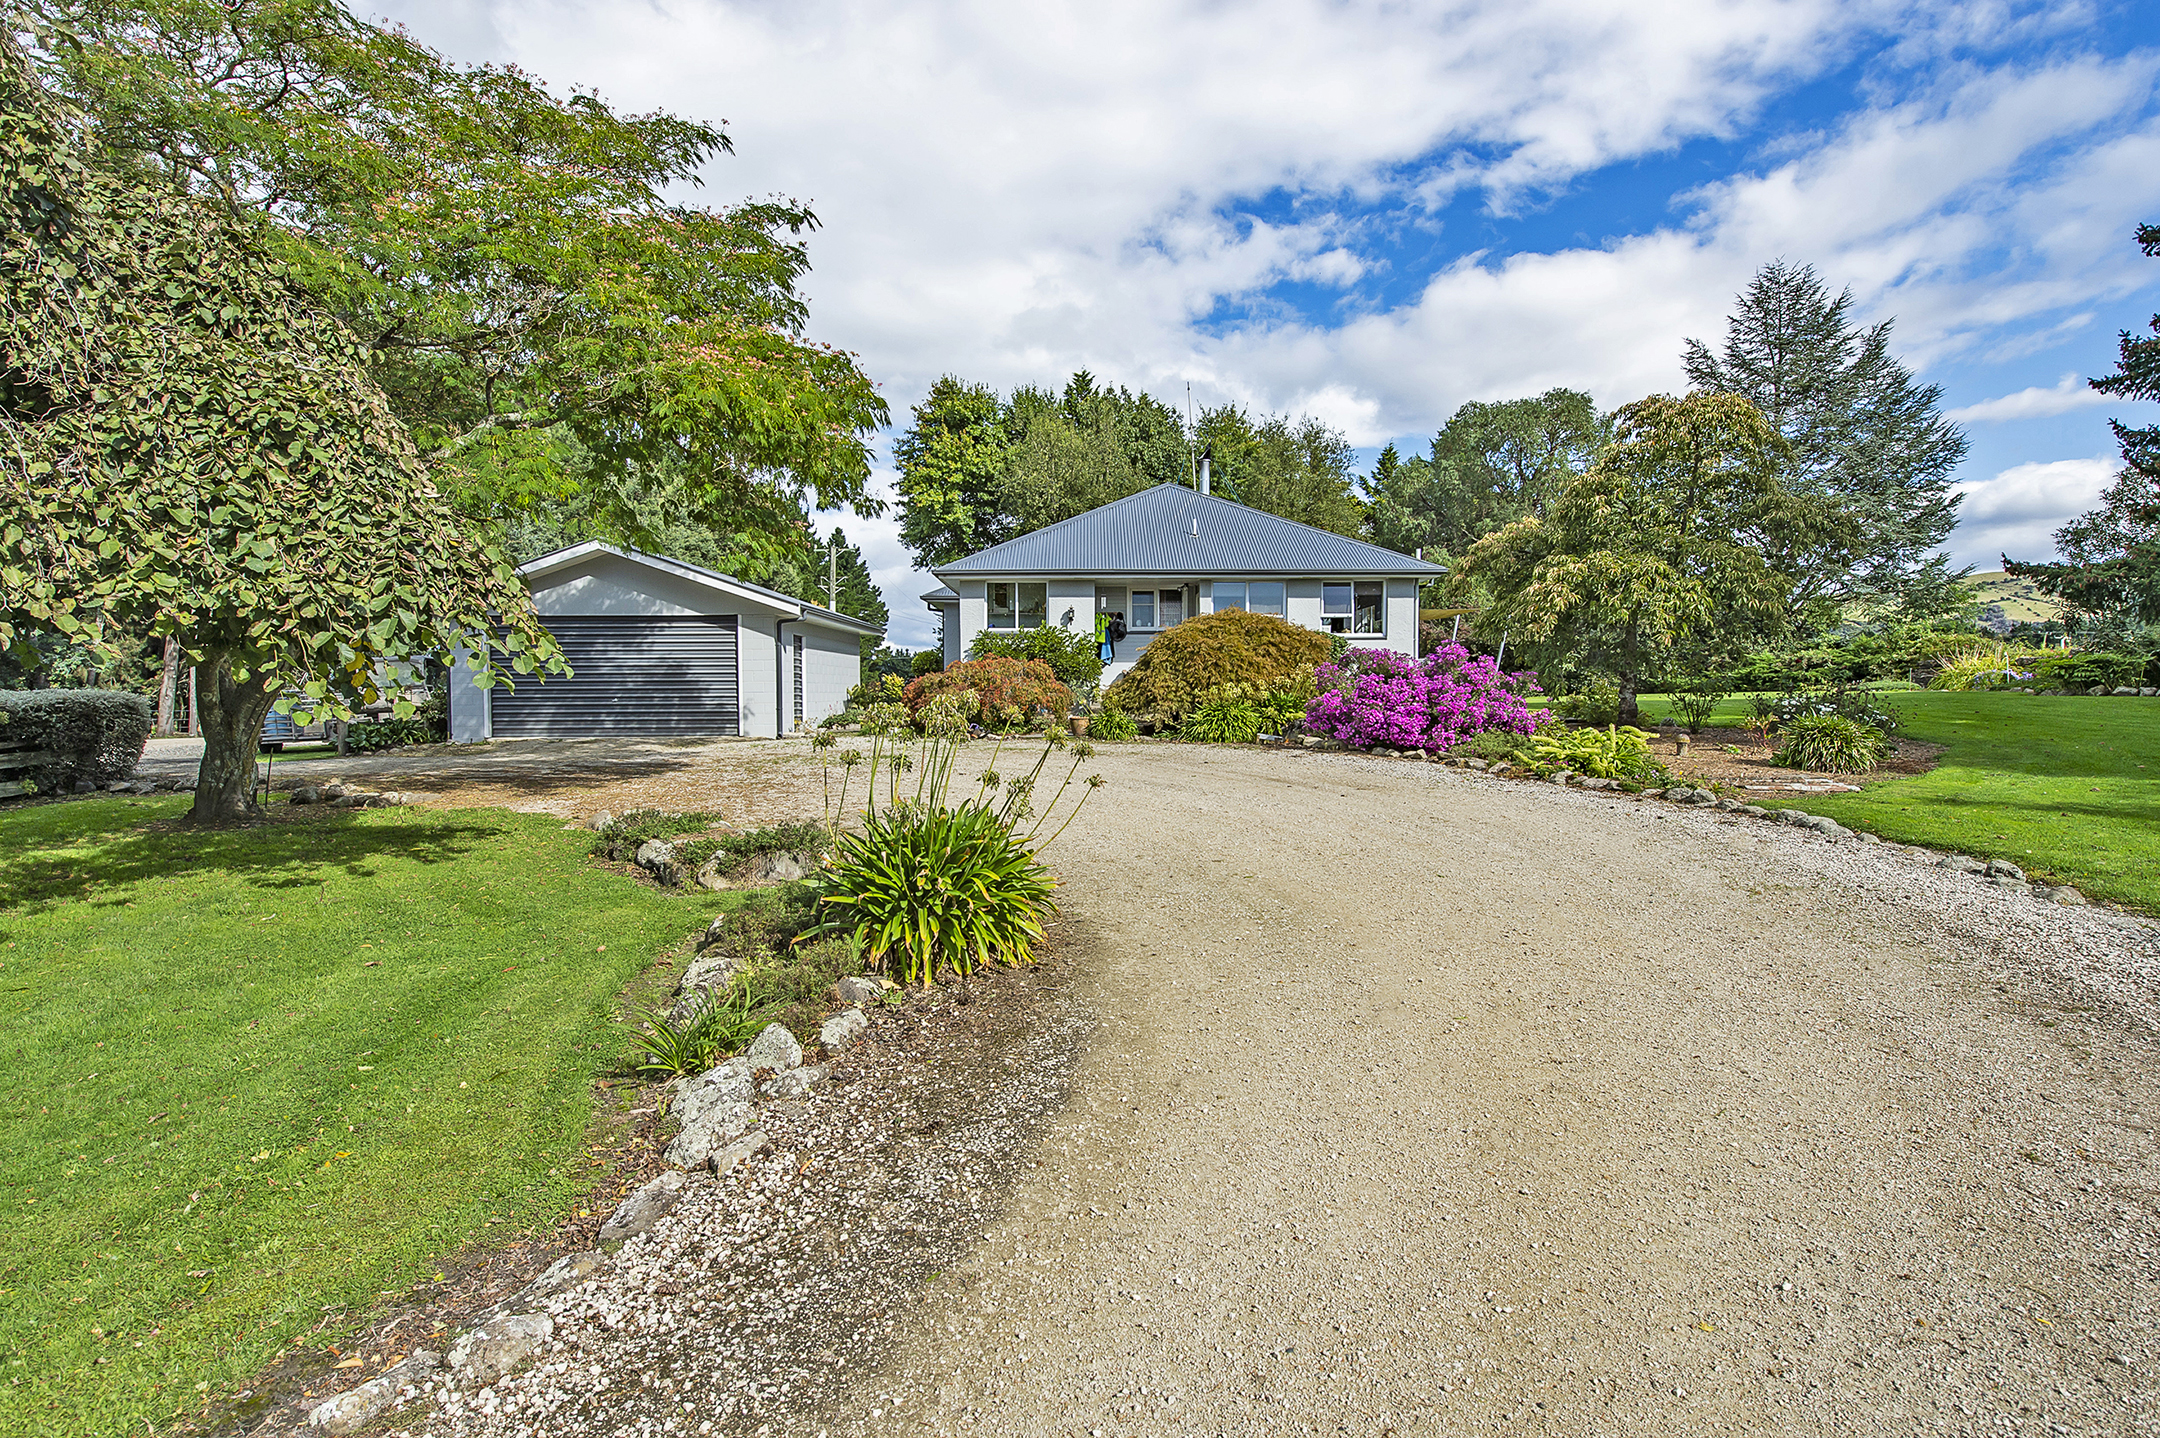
[{"x": 1378, "y": 697}]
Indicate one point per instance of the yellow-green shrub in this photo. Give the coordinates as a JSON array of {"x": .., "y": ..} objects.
[{"x": 1209, "y": 651}]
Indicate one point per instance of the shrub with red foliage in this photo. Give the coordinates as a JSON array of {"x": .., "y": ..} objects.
[{"x": 998, "y": 686}]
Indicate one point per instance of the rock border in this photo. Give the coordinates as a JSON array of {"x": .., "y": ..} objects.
[{"x": 1995, "y": 873}]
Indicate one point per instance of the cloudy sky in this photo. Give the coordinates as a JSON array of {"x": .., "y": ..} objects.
[{"x": 1375, "y": 212}]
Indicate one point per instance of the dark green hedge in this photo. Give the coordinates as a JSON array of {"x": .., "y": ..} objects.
[{"x": 96, "y": 734}]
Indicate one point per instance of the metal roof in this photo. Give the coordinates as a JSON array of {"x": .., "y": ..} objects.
[
  {"x": 1173, "y": 532},
  {"x": 787, "y": 604},
  {"x": 943, "y": 594}
]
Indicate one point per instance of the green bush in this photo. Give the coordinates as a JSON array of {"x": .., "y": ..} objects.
[
  {"x": 1696, "y": 708},
  {"x": 619, "y": 841},
  {"x": 1597, "y": 702},
  {"x": 927, "y": 888},
  {"x": 2083, "y": 668},
  {"x": 94, "y": 734},
  {"x": 1829, "y": 744},
  {"x": 1608, "y": 753},
  {"x": 1223, "y": 716},
  {"x": 1496, "y": 745},
  {"x": 877, "y": 689},
  {"x": 1208, "y": 651},
  {"x": 1112, "y": 724},
  {"x": 735, "y": 850},
  {"x": 1071, "y": 655},
  {"x": 999, "y": 692},
  {"x": 926, "y": 661}
]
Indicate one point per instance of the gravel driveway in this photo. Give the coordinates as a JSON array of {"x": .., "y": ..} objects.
[{"x": 1418, "y": 1102}]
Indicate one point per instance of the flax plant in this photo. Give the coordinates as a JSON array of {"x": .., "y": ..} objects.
[{"x": 928, "y": 885}]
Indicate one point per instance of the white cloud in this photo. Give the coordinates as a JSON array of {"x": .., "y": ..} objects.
[
  {"x": 2018, "y": 511},
  {"x": 2033, "y": 403},
  {"x": 1011, "y": 192}
]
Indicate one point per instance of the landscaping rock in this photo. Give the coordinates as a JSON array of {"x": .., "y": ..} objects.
[
  {"x": 1866, "y": 838},
  {"x": 1728, "y": 806},
  {"x": 1797, "y": 818},
  {"x": 2003, "y": 881},
  {"x": 643, "y": 1208},
  {"x": 499, "y": 1347},
  {"x": 356, "y": 1408},
  {"x": 774, "y": 1048},
  {"x": 600, "y": 821},
  {"x": 1500, "y": 768},
  {"x": 2148, "y": 693},
  {"x": 708, "y": 971},
  {"x": 565, "y": 1272},
  {"x": 307, "y": 794},
  {"x": 842, "y": 1029},
  {"x": 716, "y": 1089},
  {"x": 333, "y": 791},
  {"x": 142, "y": 786},
  {"x": 715, "y": 1130},
  {"x": 2005, "y": 869},
  {"x": 1599, "y": 784},
  {"x": 860, "y": 991},
  {"x": 1478, "y": 764},
  {"x": 748, "y": 1146},
  {"x": 86, "y": 786},
  {"x": 795, "y": 1083},
  {"x": 1560, "y": 778},
  {"x": 1963, "y": 863},
  {"x": 1653, "y": 794},
  {"x": 657, "y": 857},
  {"x": 1755, "y": 811},
  {"x": 2064, "y": 894},
  {"x": 2125, "y": 689}
]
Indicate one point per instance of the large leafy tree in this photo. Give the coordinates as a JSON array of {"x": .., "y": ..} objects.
[
  {"x": 977, "y": 469},
  {"x": 546, "y": 316},
  {"x": 1862, "y": 436},
  {"x": 1491, "y": 464},
  {"x": 1301, "y": 469},
  {"x": 190, "y": 447},
  {"x": 1670, "y": 545},
  {"x": 2110, "y": 564}
]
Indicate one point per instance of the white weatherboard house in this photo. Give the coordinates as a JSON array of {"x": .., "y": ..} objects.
[
  {"x": 1167, "y": 553},
  {"x": 659, "y": 647}
]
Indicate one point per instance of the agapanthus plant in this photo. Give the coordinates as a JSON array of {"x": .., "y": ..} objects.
[{"x": 1378, "y": 697}]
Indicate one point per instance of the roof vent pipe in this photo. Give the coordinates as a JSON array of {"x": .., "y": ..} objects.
[{"x": 1207, "y": 460}]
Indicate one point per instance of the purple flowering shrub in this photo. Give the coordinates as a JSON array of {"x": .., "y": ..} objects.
[{"x": 1378, "y": 697}]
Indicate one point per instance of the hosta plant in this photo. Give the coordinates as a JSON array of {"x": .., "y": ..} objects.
[
  {"x": 1829, "y": 744},
  {"x": 1608, "y": 753}
]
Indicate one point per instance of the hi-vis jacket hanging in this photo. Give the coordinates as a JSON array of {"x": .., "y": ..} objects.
[{"x": 1109, "y": 629}]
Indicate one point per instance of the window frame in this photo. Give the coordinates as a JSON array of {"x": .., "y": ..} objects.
[
  {"x": 1344, "y": 621},
  {"x": 1017, "y": 608}
]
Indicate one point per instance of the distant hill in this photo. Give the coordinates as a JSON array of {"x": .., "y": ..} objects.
[{"x": 2006, "y": 600}]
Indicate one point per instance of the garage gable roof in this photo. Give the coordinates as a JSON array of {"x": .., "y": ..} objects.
[
  {"x": 1174, "y": 531},
  {"x": 723, "y": 584}
]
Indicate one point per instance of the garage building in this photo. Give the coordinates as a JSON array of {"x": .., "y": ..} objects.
[{"x": 663, "y": 648}]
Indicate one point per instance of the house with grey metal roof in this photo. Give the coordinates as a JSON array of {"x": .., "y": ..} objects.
[
  {"x": 1158, "y": 557},
  {"x": 660, "y": 647}
]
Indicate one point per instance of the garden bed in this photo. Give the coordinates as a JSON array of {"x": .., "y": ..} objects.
[{"x": 1736, "y": 758}]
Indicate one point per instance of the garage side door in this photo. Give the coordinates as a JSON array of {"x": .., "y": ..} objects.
[{"x": 633, "y": 676}]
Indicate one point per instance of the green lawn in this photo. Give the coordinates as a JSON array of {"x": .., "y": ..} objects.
[
  {"x": 2066, "y": 788},
  {"x": 259, "y": 1076}
]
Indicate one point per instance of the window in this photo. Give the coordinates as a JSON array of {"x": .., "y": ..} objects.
[
  {"x": 1228, "y": 595},
  {"x": 1354, "y": 607},
  {"x": 1143, "y": 610},
  {"x": 1265, "y": 596},
  {"x": 1018, "y": 606},
  {"x": 1170, "y": 607}
]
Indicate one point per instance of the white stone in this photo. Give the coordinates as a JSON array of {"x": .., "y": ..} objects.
[
  {"x": 842, "y": 1029},
  {"x": 498, "y": 1347},
  {"x": 774, "y": 1048}
]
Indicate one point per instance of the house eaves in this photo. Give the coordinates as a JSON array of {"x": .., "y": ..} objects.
[{"x": 786, "y": 604}]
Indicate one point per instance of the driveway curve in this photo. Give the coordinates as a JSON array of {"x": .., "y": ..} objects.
[{"x": 1417, "y": 1102}]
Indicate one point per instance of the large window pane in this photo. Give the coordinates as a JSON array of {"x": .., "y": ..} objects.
[
  {"x": 1003, "y": 606},
  {"x": 1265, "y": 596},
  {"x": 1170, "y": 607},
  {"x": 1371, "y": 616},
  {"x": 1143, "y": 610},
  {"x": 1034, "y": 605},
  {"x": 1228, "y": 596},
  {"x": 1335, "y": 600}
]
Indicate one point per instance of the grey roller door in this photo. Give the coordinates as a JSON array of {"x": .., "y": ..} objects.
[{"x": 632, "y": 676}]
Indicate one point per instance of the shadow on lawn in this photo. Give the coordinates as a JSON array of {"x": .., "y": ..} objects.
[{"x": 287, "y": 851}]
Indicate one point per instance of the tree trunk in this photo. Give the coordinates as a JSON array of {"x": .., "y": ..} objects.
[
  {"x": 1629, "y": 712},
  {"x": 168, "y": 687},
  {"x": 231, "y": 713}
]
